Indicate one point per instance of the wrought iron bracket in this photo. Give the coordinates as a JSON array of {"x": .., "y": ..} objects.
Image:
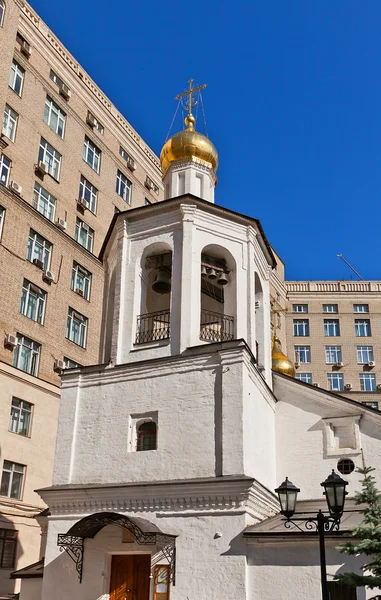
[
  {"x": 73, "y": 546},
  {"x": 327, "y": 522}
]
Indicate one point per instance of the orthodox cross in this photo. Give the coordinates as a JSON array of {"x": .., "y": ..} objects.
[
  {"x": 276, "y": 310},
  {"x": 189, "y": 102}
]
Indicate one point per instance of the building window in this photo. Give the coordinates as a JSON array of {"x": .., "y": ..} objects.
[
  {"x": 26, "y": 355},
  {"x": 336, "y": 382},
  {"x": 33, "y": 301},
  {"x": 84, "y": 235},
  {"x": 80, "y": 280},
  {"x": 70, "y": 364},
  {"x": 76, "y": 328},
  {"x": 300, "y": 308},
  {"x": 5, "y": 169},
  {"x": 146, "y": 436},
  {"x": 54, "y": 77},
  {"x": 345, "y": 466},
  {"x": 91, "y": 154},
  {"x": 2, "y": 217},
  {"x": 364, "y": 354},
  {"x": 21, "y": 417},
  {"x": 2, "y": 13},
  {"x": 330, "y": 308},
  {"x": 361, "y": 308},
  {"x": 9, "y": 123},
  {"x": 44, "y": 202},
  {"x": 302, "y": 354},
  {"x": 367, "y": 382},
  {"x": 51, "y": 159},
  {"x": 54, "y": 117},
  {"x": 12, "y": 480},
  {"x": 362, "y": 327},
  {"x": 39, "y": 250},
  {"x": 16, "y": 78},
  {"x": 301, "y": 327},
  {"x": 306, "y": 377},
  {"x": 161, "y": 582},
  {"x": 89, "y": 193},
  {"x": 332, "y": 355},
  {"x": 8, "y": 543},
  {"x": 331, "y": 327},
  {"x": 123, "y": 187},
  {"x": 371, "y": 404}
]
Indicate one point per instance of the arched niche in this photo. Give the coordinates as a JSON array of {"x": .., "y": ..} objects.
[
  {"x": 259, "y": 321},
  {"x": 218, "y": 289}
]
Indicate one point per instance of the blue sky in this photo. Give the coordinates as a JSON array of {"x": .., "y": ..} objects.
[{"x": 293, "y": 105}]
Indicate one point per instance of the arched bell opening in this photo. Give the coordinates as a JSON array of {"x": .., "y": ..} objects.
[
  {"x": 153, "y": 322},
  {"x": 218, "y": 294},
  {"x": 259, "y": 321}
]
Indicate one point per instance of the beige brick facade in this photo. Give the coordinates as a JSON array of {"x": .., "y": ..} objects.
[
  {"x": 35, "y": 451},
  {"x": 347, "y": 297}
]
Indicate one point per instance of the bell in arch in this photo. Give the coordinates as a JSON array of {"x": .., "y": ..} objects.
[
  {"x": 204, "y": 272},
  {"x": 222, "y": 278},
  {"x": 212, "y": 274},
  {"x": 162, "y": 283}
]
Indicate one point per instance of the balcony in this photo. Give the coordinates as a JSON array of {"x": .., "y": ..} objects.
[
  {"x": 216, "y": 327},
  {"x": 153, "y": 327}
]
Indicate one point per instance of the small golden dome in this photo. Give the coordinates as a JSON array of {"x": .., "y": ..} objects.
[
  {"x": 187, "y": 144},
  {"x": 280, "y": 362}
]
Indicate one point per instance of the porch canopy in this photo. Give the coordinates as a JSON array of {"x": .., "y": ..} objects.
[{"x": 144, "y": 532}]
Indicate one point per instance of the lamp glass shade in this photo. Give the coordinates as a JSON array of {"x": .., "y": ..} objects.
[
  {"x": 287, "y": 494},
  {"x": 335, "y": 493}
]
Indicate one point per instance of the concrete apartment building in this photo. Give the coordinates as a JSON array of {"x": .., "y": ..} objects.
[
  {"x": 68, "y": 161},
  {"x": 333, "y": 331}
]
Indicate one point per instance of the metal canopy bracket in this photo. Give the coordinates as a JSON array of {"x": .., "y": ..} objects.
[{"x": 90, "y": 526}]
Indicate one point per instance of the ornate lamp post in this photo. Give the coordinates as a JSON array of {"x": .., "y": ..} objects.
[{"x": 335, "y": 492}]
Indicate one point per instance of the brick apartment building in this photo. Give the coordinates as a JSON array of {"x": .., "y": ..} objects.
[{"x": 68, "y": 161}]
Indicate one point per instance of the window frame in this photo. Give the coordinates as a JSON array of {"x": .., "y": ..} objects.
[
  {"x": 296, "y": 307},
  {"x": 332, "y": 350},
  {"x": 79, "y": 227},
  {"x": 302, "y": 352},
  {"x": 76, "y": 318},
  {"x": 41, "y": 196},
  {"x": 54, "y": 109},
  {"x": 7, "y": 538},
  {"x": 360, "y": 350},
  {"x": 367, "y": 327},
  {"x": 123, "y": 185},
  {"x": 45, "y": 245},
  {"x": 34, "y": 354},
  {"x": 92, "y": 192},
  {"x": 67, "y": 362},
  {"x": 18, "y": 71},
  {"x": 39, "y": 306},
  {"x": 2, "y": 12},
  {"x": 51, "y": 158},
  {"x": 10, "y": 483},
  {"x": 5, "y": 167},
  {"x": 335, "y": 323},
  {"x": 339, "y": 377},
  {"x": 367, "y": 377},
  {"x": 330, "y": 312},
  {"x": 13, "y": 118},
  {"x": 20, "y": 419},
  {"x": 139, "y": 437},
  {"x": 78, "y": 271},
  {"x": 304, "y": 377},
  {"x": 361, "y": 312},
  {"x": 305, "y": 327},
  {"x": 160, "y": 595},
  {"x": 2, "y": 219},
  {"x": 88, "y": 148}
]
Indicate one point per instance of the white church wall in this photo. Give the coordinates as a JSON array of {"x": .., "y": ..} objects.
[
  {"x": 211, "y": 558},
  {"x": 305, "y": 424},
  {"x": 31, "y": 589}
]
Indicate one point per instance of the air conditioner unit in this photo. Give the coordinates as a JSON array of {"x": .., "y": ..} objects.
[
  {"x": 59, "y": 365},
  {"x": 85, "y": 226},
  {"x": 348, "y": 386},
  {"x": 339, "y": 364},
  {"x": 77, "y": 316},
  {"x": 16, "y": 187},
  {"x": 3, "y": 141},
  {"x": 25, "y": 49},
  {"x": 34, "y": 289},
  {"x": 48, "y": 276},
  {"x": 297, "y": 365},
  {"x": 65, "y": 91},
  {"x": 38, "y": 263},
  {"x": 378, "y": 386},
  {"x": 40, "y": 168},
  {"x": 131, "y": 164},
  {"x": 61, "y": 223},
  {"x": 10, "y": 340},
  {"x": 316, "y": 384},
  {"x": 91, "y": 120},
  {"x": 371, "y": 363},
  {"x": 149, "y": 184},
  {"x": 79, "y": 291},
  {"x": 82, "y": 203}
]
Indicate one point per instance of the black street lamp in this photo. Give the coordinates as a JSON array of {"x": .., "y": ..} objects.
[{"x": 335, "y": 492}]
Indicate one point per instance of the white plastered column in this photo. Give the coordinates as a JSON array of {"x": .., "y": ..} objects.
[
  {"x": 191, "y": 176},
  {"x": 190, "y": 282}
]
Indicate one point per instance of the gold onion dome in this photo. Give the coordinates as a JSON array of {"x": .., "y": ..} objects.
[
  {"x": 280, "y": 362},
  {"x": 188, "y": 144}
]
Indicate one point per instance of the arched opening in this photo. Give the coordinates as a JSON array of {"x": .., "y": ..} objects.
[
  {"x": 146, "y": 435},
  {"x": 218, "y": 295},
  {"x": 259, "y": 322},
  {"x": 153, "y": 322},
  {"x": 2, "y": 12}
]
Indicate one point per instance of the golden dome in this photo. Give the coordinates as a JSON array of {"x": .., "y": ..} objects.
[
  {"x": 187, "y": 144},
  {"x": 280, "y": 362}
]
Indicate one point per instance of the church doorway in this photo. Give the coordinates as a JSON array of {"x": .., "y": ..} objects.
[{"x": 130, "y": 577}]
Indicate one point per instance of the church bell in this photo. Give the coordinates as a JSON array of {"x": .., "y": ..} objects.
[
  {"x": 212, "y": 274},
  {"x": 162, "y": 283},
  {"x": 222, "y": 278},
  {"x": 204, "y": 272}
]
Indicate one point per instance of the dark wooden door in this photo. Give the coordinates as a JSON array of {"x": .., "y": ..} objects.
[{"x": 130, "y": 577}]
